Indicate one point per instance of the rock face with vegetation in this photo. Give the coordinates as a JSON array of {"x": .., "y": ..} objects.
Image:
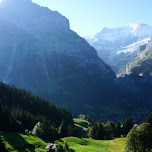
[
  {"x": 143, "y": 62},
  {"x": 39, "y": 52}
]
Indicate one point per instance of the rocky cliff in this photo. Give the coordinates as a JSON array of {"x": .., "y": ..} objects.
[
  {"x": 39, "y": 52},
  {"x": 142, "y": 64}
]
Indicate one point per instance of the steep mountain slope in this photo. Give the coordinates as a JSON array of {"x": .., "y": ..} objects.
[
  {"x": 39, "y": 52},
  {"x": 143, "y": 62},
  {"x": 21, "y": 110},
  {"x": 118, "y": 46}
]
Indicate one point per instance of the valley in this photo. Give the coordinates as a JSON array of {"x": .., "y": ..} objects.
[
  {"x": 61, "y": 92},
  {"x": 57, "y": 64}
]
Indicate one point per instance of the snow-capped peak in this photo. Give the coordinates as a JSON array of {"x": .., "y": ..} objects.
[
  {"x": 101, "y": 29},
  {"x": 140, "y": 31},
  {"x": 133, "y": 26}
]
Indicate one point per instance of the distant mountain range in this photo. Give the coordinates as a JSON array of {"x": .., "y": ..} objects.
[{"x": 119, "y": 46}]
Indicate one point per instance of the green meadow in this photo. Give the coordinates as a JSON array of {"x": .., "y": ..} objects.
[
  {"x": 16, "y": 142},
  {"x": 90, "y": 145},
  {"x": 80, "y": 122}
]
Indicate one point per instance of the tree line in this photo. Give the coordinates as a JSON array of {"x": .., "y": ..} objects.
[
  {"x": 20, "y": 111},
  {"x": 110, "y": 130}
]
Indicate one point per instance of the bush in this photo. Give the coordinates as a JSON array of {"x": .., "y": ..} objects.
[{"x": 139, "y": 139}]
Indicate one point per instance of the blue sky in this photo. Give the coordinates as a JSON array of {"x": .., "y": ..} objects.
[{"x": 89, "y": 16}]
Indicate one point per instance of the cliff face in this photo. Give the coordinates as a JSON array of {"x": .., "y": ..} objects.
[
  {"x": 142, "y": 64},
  {"x": 39, "y": 52}
]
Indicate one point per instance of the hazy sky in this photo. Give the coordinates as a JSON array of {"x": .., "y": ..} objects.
[{"x": 89, "y": 16}]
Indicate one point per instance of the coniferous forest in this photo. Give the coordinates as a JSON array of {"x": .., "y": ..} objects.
[{"x": 20, "y": 111}]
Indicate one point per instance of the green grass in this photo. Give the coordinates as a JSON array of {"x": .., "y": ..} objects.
[
  {"x": 90, "y": 145},
  {"x": 117, "y": 145},
  {"x": 17, "y": 142},
  {"x": 78, "y": 126},
  {"x": 81, "y": 122}
]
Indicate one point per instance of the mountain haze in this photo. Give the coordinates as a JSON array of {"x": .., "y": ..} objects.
[
  {"x": 118, "y": 46},
  {"x": 39, "y": 52}
]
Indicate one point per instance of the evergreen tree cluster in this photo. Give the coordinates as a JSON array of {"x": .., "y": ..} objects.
[
  {"x": 65, "y": 129},
  {"x": 20, "y": 111},
  {"x": 127, "y": 126},
  {"x": 109, "y": 130}
]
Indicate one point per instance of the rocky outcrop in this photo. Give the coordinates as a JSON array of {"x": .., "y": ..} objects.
[{"x": 142, "y": 64}]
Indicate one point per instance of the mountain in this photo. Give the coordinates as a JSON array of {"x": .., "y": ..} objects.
[
  {"x": 142, "y": 64},
  {"x": 40, "y": 53},
  {"x": 118, "y": 46}
]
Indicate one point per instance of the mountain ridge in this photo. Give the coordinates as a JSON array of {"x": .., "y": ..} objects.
[
  {"x": 111, "y": 43},
  {"x": 42, "y": 55},
  {"x": 30, "y": 15}
]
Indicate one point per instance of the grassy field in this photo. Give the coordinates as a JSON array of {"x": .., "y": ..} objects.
[
  {"x": 89, "y": 145},
  {"x": 16, "y": 142},
  {"x": 86, "y": 145},
  {"x": 82, "y": 123},
  {"x": 117, "y": 145}
]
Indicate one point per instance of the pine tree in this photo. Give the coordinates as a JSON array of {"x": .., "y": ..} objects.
[
  {"x": 49, "y": 132},
  {"x": 109, "y": 130},
  {"x": 118, "y": 130},
  {"x": 127, "y": 126},
  {"x": 93, "y": 131},
  {"x": 69, "y": 130},
  {"x": 62, "y": 131},
  {"x": 100, "y": 131}
]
